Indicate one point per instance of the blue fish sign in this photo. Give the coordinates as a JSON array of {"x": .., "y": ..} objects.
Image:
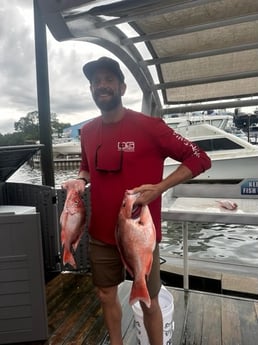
[{"x": 249, "y": 187}]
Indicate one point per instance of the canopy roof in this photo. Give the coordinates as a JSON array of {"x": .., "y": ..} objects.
[
  {"x": 202, "y": 51},
  {"x": 13, "y": 157}
]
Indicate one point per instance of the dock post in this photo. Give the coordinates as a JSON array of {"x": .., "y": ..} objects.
[
  {"x": 185, "y": 251},
  {"x": 45, "y": 131}
]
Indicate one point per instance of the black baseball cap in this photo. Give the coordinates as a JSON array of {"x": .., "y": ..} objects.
[{"x": 104, "y": 62}]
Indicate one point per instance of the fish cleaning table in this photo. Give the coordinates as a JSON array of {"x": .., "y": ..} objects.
[{"x": 187, "y": 209}]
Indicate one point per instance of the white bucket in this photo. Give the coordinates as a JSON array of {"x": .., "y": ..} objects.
[{"x": 166, "y": 303}]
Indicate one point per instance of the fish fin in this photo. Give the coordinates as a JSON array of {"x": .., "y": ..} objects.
[
  {"x": 139, "y": 292},
  {"x": 129, "y": 269},
  {"x": 127, "y": 266},
  {"x": 76, "y": 243},
  {"x": 68, "y": 258},
  {"x": 61, "y": 220},
  {"x": 149, "y": 266},
  {"x": 122, "y": 254},
  {"x": 63, "y": 237}
]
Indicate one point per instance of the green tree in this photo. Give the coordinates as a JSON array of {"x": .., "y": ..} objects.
[
  {"x": 58, "y": 127},
  {"x": 29, "y": 126},
  {"x": 27, "y": 130},
  {"x": 11, "y": 139}
]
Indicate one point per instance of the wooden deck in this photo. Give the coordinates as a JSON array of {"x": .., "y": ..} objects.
[{"x": 75, "y": 318}]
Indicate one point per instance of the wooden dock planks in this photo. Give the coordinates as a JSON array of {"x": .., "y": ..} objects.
[
  {"x": 75, "y": 317},
  {"x": 202, "y": 320},
  {"x": 241, "y": 318},
  {"x": 218, "y": 320},
  {"x": 74, "y": 312}
]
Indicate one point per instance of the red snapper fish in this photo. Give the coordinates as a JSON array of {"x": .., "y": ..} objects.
[
  {"x": 136, "y": 240},
  {"x": 72, "y": 220}
]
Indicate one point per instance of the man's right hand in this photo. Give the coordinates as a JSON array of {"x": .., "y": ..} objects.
[{"x": 77, "y": 184}]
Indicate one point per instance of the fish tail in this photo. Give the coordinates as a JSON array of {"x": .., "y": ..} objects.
[
  {"x": 139, "y": 292},
  {"x": 68, "y": 258}
]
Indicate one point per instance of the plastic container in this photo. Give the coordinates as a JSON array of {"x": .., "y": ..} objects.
[{"x": 166, "y": 302}]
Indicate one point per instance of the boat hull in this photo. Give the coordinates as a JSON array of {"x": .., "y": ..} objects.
[{"x": 66, "y": 149}]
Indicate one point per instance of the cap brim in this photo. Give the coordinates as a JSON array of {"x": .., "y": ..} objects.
[{"x": 91, "y": 67}]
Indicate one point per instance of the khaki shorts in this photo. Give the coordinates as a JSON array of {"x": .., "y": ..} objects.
[{"x": 108, "y": 270}]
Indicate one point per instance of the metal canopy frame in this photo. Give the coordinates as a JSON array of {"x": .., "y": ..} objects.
[{"x": 203, "y": 51}]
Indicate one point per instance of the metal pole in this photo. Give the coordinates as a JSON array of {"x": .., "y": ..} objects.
[
  {"x": 248, "y": 127},
  {"x": 185, "y": 251},
  {"x": 47, "y": 165}
]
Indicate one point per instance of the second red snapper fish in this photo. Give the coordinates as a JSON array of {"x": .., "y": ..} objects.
[
  {"x": 72, "y": 220},
  {"x": 136, "y": 240}
]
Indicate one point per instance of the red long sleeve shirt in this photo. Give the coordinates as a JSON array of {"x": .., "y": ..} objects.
[{"x": 125, "y": 155}]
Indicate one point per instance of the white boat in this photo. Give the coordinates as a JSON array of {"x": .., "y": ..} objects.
[
  {"x": 232, "y": 157},
  {"x": 66, "y": 149},
  {"x": 218, "y": 120},
  {"x": 231, "y": 128}
]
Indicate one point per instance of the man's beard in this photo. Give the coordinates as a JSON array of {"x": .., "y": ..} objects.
[{"x": 107, "y": 105}]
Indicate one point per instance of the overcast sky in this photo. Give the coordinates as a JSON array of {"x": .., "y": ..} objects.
[{"x": 69, "y": 89}]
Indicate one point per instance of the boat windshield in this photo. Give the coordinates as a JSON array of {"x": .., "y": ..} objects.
[{"x": 217, "y": 144}]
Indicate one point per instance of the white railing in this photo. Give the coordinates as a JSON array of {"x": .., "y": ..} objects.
[{"x": 187, "y": 209}]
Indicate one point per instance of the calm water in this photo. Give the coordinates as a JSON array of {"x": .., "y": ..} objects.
[{"x": 228, "y": 243}]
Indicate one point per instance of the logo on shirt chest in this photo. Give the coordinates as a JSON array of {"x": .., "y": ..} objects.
[{"x": 126, "y": 146}]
